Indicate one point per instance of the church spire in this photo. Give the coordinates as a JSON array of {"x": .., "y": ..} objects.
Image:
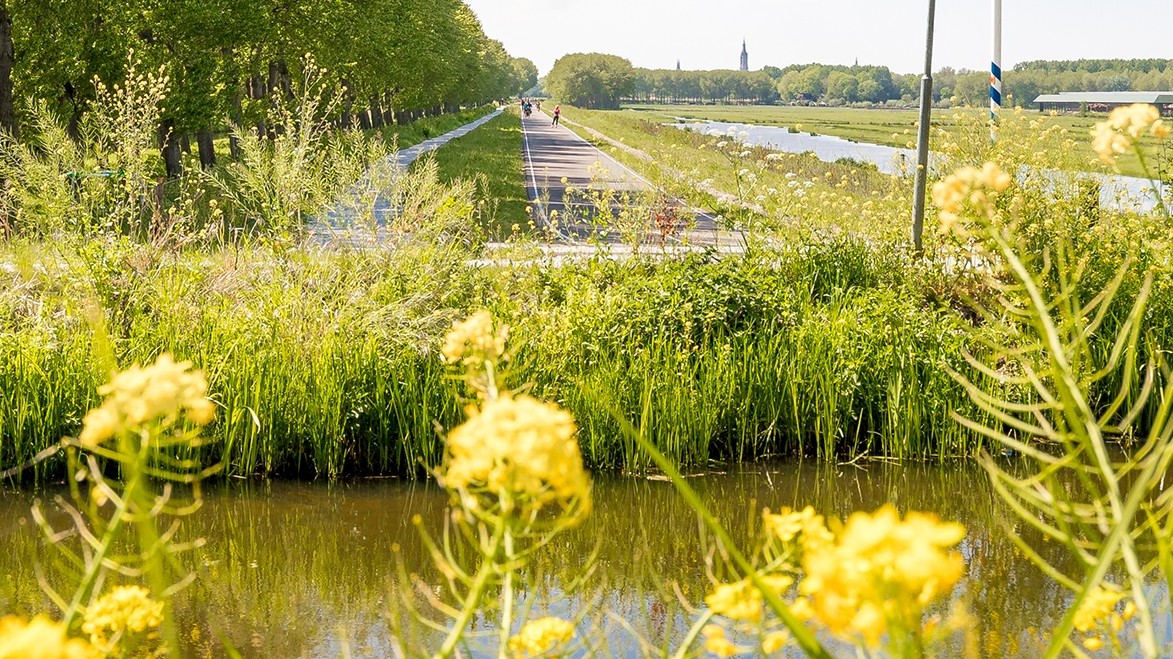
[{"x": 744, "y": 56}]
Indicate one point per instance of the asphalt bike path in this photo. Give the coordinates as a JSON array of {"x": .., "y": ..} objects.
[
  {"x": 557, "y": 160},
  {"x": 360, "y": 217}
]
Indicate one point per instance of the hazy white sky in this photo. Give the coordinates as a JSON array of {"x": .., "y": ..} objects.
[{"x": 707, "y": 34}]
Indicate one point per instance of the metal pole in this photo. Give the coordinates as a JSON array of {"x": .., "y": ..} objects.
[
  {"x": 996, "y": 69},
  {"x": 922, "y": 139}
]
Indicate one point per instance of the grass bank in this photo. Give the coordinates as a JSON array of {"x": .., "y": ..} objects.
[
  {"x": 327, "y": 364},
  {"x": 890, "y": 127},
  {"x": 491, "y": 158},
  {"x": 410, "y": 134}
]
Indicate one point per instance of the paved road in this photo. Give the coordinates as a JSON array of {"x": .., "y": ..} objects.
[
  {"x": 557, "y": 159},
  {"x": 362, "y": 213}
]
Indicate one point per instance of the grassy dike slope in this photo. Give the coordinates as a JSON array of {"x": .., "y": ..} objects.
[{"x": 491, "y": 157}]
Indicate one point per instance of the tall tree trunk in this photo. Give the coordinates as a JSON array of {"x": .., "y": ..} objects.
[
  {"x": 257, "y": 91},
  {"x": 346, "y": 119},
  {"x": 207, "y": 148},
  {"x": 169, "y": 148},
  {"x": 7, "y": 59},
  {"x": 376, "y": 113},
  {"x": 238, "y": 119}
]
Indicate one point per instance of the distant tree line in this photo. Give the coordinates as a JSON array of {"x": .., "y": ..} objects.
[
  {"x": 877, "y": 85},
  {"x": 394, "y": 59},
  {"x": 669, "y": 86}
]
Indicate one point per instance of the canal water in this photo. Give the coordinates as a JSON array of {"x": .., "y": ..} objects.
[
  {"x": 1123, "y": 192},
  {"x": 300, "y": 569}
]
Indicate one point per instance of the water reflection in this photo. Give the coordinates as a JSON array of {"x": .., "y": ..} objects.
[{"x": 292, "y": 569}]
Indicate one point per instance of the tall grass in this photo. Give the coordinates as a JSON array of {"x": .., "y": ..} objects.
[{"x": 326, "y": 363}]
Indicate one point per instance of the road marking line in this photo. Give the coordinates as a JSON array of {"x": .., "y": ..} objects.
[{"x": 529, "y": 162}]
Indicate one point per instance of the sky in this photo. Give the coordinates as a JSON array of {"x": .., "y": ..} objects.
[{"x": 708, "y": 34}]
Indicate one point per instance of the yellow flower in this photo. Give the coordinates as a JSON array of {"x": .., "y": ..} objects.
[
  {"x": 775, "y": 641},
  {"x": 1093, "y": 643},
  {"x": 968, "y": 185},
  {"x": 1134, "y": 119},
  {"x": 741, "y": 600},
  {"x": 806, "y": 526},
  {"x": 124, "y": 610},
  {"x": 720, "y": 646},
  {"x": 1111, "y": 138},
  {"x": 40, "y": 638},
  {"x": 138, "y": 395},
  {"x": 540, "y": 636},
  {"x": 880, "y": 571},
  {"x": 474, "y": 340},
  {"x": 1099, "y": 604},
  {"x": 1108, "y": 143},
  {"x": 520, "y": 445},
  {"x": 716, "y": 643}
]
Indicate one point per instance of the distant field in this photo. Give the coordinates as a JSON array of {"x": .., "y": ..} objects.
[{"x": 877, "y": 126}]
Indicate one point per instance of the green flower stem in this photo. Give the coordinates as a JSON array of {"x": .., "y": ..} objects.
[
  {"x": 472, "y": 603},
  {"x": 1083, "y": 423},
  {"x": 806, "y": 640},
  {"x": 506, "y": 596},
  {"x": 94, "y": 567},
  {"x": 693, "y": 633}
]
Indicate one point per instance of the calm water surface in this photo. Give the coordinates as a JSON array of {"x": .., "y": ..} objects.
[
  {"x": 1125, "y": 192},
  {"x": 295, "y": 569}
]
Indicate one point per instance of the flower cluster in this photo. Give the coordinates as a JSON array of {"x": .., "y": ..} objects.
[
  {"x": 717, "y": 643},
  {"x": 40, "y": 638},
  {"x": 968, "y": 186},
  {"x": 1098, "y": 610},
  {"x": 741, "y": 600},
  {"x": 1124, "y": 126},
  {"x": 805, "y": 526},
  {"x": 139, "y": 395},
  {"x": 474, "y": 340},
  {"x": 518, "y": 445},
  {"x": 539, "y": 636},
  {"x": 124, "y": 610},
  {"x": 880, "y": 573}
]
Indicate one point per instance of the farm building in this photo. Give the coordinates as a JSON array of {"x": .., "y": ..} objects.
[{"x": 1104, "y": 101}]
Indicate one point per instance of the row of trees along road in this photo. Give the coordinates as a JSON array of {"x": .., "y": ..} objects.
[{"x": 395, "y": 60}]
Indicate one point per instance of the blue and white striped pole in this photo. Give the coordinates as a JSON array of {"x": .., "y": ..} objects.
[{"x": 996, "y": 68}]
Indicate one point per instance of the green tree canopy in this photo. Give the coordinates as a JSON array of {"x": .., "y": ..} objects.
[{"x": 591, "y": 80}]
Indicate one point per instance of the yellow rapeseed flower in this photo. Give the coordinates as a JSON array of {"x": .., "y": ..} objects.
[
  {"x": 741, "y": 600},
  {"x": 520, "y": 445},
  {"x": 138, "y": 395},
  {"x": 1099, "y": 604},
  {"x": 40, "y": 638},
  {"x": 1124, "y": 125},
  {"x": 882, "y": 571},
  {"x": 474, "y": 340},
  {"x": 124, "y": 610},
  {"x": 1108, "y": 143},
  {"x": 968, "y": 185},
  {"x": 716, "y": 643},
  {"x": 540, "y": 636},
  {"x": 775, "y": 641},
  {"x": 805, "y": 526}
]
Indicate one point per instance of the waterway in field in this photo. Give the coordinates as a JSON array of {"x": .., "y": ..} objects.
[
  {"x": 303, "y": 569},
  {"x": 1115, "y": 191}
]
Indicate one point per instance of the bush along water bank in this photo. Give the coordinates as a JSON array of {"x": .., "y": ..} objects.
[{"x": 327, "y": 363}]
